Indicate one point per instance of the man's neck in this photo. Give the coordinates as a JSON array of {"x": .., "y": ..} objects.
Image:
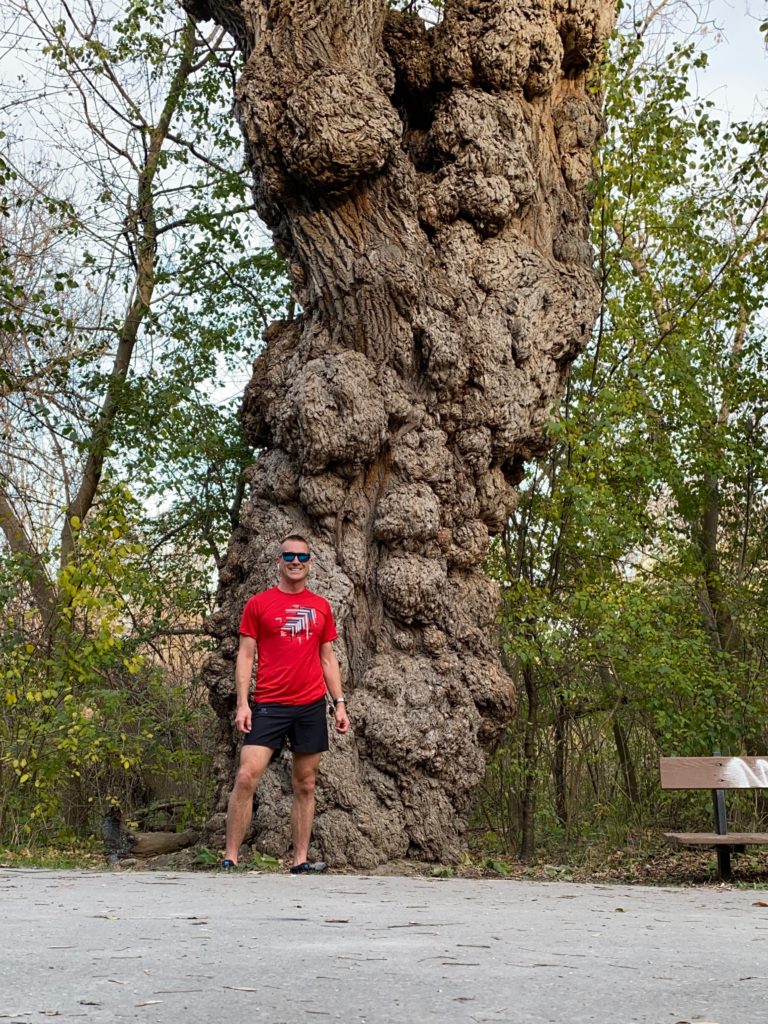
[{"x": 288, "y": 588}]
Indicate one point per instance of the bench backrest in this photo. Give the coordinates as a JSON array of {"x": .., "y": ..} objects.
[{"x": 714, "y": 772}]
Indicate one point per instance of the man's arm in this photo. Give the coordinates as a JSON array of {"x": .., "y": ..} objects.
[
  {"x": 246, "y": 652},
  {"x": 332, "y": 676}
]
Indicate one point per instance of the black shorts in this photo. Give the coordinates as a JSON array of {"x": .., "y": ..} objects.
[{"x": 304, "y": 726}]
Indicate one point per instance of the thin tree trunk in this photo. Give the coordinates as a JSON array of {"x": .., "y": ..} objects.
[
  {"x": 428, "y": 189},
  {"x": 528, "y": 798},
  {"x": 625, "y": 761},
  {"x": 560, "y": 763},
  {"x": 718, "y": 604},
  {"x": 623, "y": 751},
  {"x": 138, "y": 308},
  {"x": 709, "y": 528}
]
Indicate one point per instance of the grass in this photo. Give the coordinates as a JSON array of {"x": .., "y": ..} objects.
[
  {"x": 644, "y": 860},
  {"x": 90, "y": 856},
  {"x": 84, "y": 855}
]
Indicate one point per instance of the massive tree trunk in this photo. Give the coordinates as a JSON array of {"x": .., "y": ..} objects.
[{"x": 428, "y": 188}]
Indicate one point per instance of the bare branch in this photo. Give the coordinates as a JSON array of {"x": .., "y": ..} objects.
[{"x": 20, "y": 544}]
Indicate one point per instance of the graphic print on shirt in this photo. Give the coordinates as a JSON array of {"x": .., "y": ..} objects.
[{"x": 298, "y": 623}]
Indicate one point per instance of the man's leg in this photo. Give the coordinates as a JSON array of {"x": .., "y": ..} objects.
[
  {"x": 253, "y": 764},
  {"x": 303, "y": 812}
]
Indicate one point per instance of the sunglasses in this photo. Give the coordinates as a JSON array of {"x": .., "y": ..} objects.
[{"x": 288, "y": 556}]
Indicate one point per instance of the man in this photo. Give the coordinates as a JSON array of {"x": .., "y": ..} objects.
[{"x": 292, "y": 629}]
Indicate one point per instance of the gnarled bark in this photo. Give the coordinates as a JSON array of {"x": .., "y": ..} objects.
[{"x": 428, "y": 188}]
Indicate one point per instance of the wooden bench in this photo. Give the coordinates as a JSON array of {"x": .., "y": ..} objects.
[{"x": 718, "y": 774}]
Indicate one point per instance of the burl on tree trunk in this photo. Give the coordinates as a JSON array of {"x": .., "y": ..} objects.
[{"x": 428, "y": 187}]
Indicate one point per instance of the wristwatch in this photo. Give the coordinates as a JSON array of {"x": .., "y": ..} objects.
[{"x": 339, "y": 700}]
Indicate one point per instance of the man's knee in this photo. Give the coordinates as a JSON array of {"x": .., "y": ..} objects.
[
  {"x": 304, "y": 783},
  {"x": 253, "y": 763},
  {"x": 247, "y": 778}
]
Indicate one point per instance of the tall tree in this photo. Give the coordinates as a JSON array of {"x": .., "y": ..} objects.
[
  {"x": 635, "y": 563},
  {"x": 120, "y": 196},
  {"x": 85, "y": 261},
  {"x": 427, "y": 187}
]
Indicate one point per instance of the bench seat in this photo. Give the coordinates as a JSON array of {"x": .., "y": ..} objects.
[{"x": 713, "y": 839}]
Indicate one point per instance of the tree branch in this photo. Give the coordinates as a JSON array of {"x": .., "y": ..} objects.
[
  {"x": 139, "y": 304},
  {"x": 20, "y": 544}
]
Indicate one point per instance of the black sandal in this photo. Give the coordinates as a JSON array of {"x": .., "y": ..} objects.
[{"x": 309, "y": 869}]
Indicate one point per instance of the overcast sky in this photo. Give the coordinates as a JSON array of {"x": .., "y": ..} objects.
[{"x": 737, "y": 76}]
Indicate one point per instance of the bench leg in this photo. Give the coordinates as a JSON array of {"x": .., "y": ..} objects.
[
  {"x": 721, "y": 827},
  {"x": 724, "y": 863}
]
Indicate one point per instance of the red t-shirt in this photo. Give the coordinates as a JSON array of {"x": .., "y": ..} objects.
[{"x": 288, "y": 629}]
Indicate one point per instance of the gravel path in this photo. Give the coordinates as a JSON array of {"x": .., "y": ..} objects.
[{"x": 207, "y": 947}]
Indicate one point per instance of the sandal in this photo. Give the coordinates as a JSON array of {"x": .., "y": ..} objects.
[
  {"x": 309, "y": 869},
  {"x": 228, "y": 865}
]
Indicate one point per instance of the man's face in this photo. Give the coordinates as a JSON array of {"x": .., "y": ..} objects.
[{"x": 291, "y": 569}]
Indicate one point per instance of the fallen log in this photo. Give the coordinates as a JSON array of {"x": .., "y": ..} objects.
[
  {"x": 121, "y": 844},
  {"x": 151, "y": 844}
]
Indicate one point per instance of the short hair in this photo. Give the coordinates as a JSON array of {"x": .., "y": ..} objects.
[{"x": 295, "y": 536}]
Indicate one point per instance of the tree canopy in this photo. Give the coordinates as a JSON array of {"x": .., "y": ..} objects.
[{"x": 634, "y": 567}]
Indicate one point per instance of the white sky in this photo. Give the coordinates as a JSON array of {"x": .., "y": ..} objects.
[{"x": 737, "y": 76}]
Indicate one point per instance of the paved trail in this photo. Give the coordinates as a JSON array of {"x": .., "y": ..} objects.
[{"x": 163, "y": 948}]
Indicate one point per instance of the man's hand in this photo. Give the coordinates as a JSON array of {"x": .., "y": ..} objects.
[
  {"x": 246, "y": 652},
  {"x": 341, "y": 718},
  {"x": 332, "y": 676},
  {"x": 243, "y": 718}
]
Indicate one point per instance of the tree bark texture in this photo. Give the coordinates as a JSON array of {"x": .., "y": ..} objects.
[{"x": 428, "y": 188}]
